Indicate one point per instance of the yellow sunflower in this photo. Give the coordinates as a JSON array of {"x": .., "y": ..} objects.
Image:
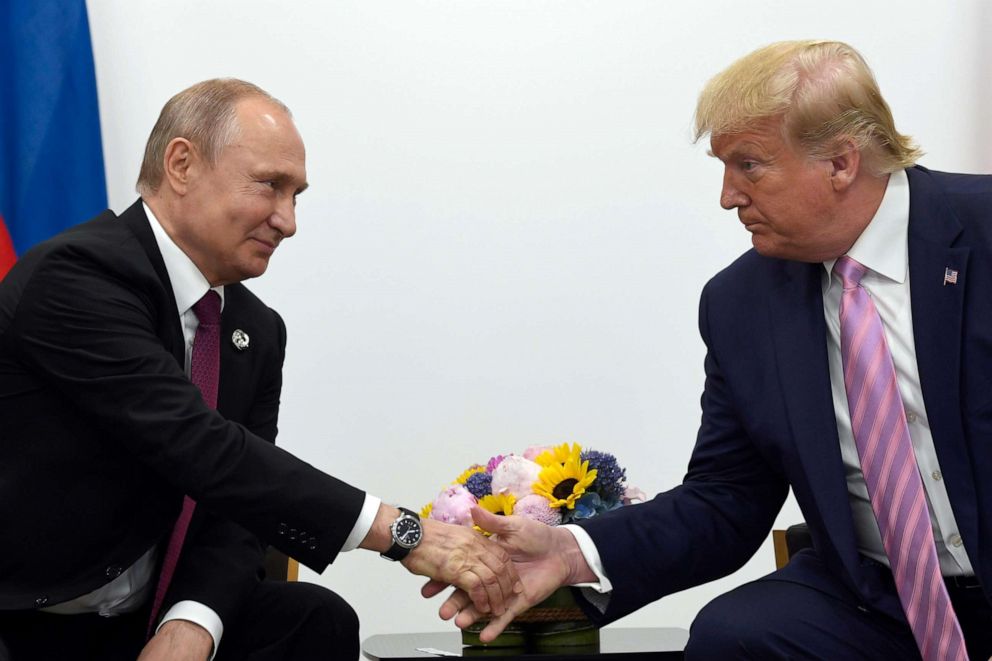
[
  {"x": 469, "y": 472},
  {"x": 425, "y": 513},
  {"x": 558, "y": 454},
  {"x": 500, "y": 503},
  {"x": 563, "y": 484}
]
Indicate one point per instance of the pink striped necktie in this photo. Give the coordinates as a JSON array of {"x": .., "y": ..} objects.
[
  {"x": 878, "y": 420},
  {"x": 204, "y": 368}
]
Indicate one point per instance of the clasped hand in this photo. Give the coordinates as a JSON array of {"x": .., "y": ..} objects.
[
  {"x": 541, "y": 555},
  {"x": 459, "y": 556}
]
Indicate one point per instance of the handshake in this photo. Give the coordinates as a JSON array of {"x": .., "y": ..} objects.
[
  {"x": 493, "y": 534},
  {"x": 496, "y": 577}
]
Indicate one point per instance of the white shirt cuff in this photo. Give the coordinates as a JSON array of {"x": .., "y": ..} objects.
[
  {"x": 364, "y": 523},
  {"x": 197, "y": 613},
  {"x": 591, "y": 554}
]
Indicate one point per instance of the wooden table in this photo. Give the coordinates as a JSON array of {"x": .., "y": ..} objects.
[{"x": 654, "y": 644}]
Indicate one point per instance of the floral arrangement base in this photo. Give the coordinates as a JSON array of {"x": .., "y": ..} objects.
[{"x": 555, "y": 622}]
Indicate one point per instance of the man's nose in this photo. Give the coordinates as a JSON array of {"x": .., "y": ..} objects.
[
  {"x": 731, "y": 197},
  {"x": 284, "y": 218}
]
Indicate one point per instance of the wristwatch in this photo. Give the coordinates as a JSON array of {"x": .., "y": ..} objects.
[{"x": 407, "y": 532}]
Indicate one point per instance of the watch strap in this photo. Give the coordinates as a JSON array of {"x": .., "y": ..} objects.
[{"x": 397, "y": 552}]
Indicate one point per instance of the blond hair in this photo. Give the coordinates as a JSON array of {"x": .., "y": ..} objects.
[
  {"x": 825, "y": 94},
  {"x": 206, "y": 115}
]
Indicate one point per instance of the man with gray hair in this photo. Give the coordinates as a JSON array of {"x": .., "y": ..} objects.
[
  {"x": 848, "y": 357},
  {"x": 139, "y": 394}
]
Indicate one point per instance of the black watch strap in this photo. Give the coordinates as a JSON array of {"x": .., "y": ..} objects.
[{"x": 400, "y": 550}]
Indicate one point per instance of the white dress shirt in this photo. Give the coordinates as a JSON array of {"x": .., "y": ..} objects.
[
  {"x": 883, "y": 247},
  {"x": 133, "y": 587}
]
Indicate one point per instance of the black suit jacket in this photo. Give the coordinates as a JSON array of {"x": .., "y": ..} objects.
[
  {"x": 768, "y": 418},
  {"x": 102, "y": 433}
]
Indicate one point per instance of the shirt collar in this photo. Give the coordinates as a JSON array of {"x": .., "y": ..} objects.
[
  {"x": 882, "y": 245},
  {"x": 188, "y": 284}
]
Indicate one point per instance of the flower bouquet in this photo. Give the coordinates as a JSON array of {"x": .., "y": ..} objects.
[{"x": 551, "y": 484}]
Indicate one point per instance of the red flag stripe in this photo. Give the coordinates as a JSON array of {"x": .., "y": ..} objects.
[{"x": 7, "y": 255}]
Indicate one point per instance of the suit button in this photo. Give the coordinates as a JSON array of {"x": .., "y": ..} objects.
[
  {"x": 313, "y": 543},
  {"x": 282, "y": 528},
  {"x": 40, "y": 601},
  {"x": 292, "y": 534},
  {"x": 113, "y": 571}
]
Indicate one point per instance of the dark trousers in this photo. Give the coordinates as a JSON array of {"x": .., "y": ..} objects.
[
  {"x": 280, "y": 621},
  {"x": 782, "y": 616}
]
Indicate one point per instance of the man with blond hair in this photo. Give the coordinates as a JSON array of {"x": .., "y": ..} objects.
[
  {"x": 139, "y": 394},
  {"x": 848, "y": 357}
]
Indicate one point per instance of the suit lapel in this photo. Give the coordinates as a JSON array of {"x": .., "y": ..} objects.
[
  {"x": 134, "y": 217},
  {"x": 235, "y": 365},
  {"x": 800, "y": 336},
  {"x": 938, "y": 313}
]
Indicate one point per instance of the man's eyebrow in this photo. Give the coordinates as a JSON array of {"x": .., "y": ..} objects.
[
  {"x": 744, "y": 149},
  {"x": 280, "y": 176}
]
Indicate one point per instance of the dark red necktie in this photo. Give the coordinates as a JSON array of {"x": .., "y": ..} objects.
[{"x": 204, "y": 372}]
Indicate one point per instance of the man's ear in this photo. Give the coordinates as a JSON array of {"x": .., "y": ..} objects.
[
  {"x": 180, "y": 163},
  {"x": 844, "y": 166}
]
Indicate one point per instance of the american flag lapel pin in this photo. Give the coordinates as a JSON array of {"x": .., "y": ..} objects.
[{"x": 950, "y": 276}]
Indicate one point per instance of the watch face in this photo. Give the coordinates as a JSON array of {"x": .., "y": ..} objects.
[{"x": 407, "y": 532}]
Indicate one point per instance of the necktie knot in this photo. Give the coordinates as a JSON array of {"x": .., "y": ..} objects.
[
  {"x": 207, "y": 309},
  {"x": 850, "y": 272}
]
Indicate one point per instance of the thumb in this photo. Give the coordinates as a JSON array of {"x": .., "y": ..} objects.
[{"x": 491, "y": 523}]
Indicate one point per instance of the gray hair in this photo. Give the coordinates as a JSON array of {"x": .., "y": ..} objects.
[{"x": 206, "y": 115}]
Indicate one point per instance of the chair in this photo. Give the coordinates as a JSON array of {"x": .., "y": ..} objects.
[
  {"x": 280, "y": 567},
  {"x": 789, "y": 542}
]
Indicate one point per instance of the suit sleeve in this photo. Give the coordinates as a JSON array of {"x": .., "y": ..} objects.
[
  {"x": 88, "y": 325},
  {"x": 703, "y": 529}
]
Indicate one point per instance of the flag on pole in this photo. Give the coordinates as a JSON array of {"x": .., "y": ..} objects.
[{"x": 51, "y": 156}]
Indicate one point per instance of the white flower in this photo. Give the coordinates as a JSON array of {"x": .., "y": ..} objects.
[{"x": 515, "y": 475}]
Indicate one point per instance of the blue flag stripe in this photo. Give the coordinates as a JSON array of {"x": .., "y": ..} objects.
[{"x": 51, "y": 156}]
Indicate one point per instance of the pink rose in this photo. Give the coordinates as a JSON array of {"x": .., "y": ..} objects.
[{"x": 454, "y": 505}]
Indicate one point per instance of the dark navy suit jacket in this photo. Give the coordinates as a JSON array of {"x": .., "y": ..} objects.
[{"x": 768, "y": 419}]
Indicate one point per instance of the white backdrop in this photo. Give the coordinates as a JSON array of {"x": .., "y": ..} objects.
[{"x": 508, "y": 226}]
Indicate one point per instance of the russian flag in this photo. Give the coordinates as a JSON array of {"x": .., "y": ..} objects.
[{"x": 51, "y": 157}]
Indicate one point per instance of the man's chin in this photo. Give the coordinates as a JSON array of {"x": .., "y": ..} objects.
[
  {"x": 763, "y": 246},
  {"x": 777, "y": 251},
  {"x": 767, "y": 248},
  {"x": 254, "y": 269}
]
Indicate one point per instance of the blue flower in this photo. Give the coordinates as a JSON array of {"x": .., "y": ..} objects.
[
  {"x": 480, "y": 484},
  {"x": 610, "y": 478},
  {"x": 590, "y": 505}
]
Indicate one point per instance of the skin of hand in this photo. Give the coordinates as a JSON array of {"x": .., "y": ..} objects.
[
  {"x": 545, "y": 557},
  {"x": 455, "y": 555},
  {"x": 178, "y": 640}
]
